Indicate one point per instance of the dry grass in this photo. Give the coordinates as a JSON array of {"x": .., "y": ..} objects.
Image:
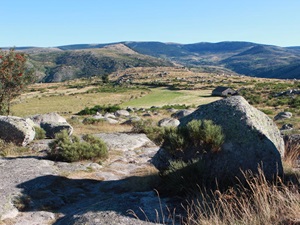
[
  {"x": 11, "y": 150},
  {"x": 292, "y": 154},
  {"x": 256, "y": 203},
  {"x": 104, "y": 127},
  {"x": 67, "y": 104}
]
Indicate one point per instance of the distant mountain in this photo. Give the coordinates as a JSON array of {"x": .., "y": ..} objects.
[
  {"x": 264, "y": 61},
  {"x": 246, "y": 58},
  {"x": 83, "y": 60},
  {"x": 62, "y": 63}
]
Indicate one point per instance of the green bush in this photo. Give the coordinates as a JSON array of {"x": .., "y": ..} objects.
[
  {"x": 71, "y": 149},
  {"x": 213, "y": 136},
  {"x": 153, "y": 132},
  {"x": 197, "y": 135},
  {"x": 174, "y": 141},
  {"x": 99, "y": 108},
  {"x": 176, "y": 106},
  {"x": 40, "y": 133}
]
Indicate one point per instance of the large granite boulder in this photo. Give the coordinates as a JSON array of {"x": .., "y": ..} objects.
[
  {"x": 52, "y": 123},
  {"x": 17, "y": 130},
  {"x": 252, "y": 140}
]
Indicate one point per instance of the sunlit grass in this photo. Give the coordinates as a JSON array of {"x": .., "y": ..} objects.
[{"x": 163, "y": 96}]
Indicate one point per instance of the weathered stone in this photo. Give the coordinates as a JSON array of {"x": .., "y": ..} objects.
[
  {"x": 16, "y": 129},
  {"x": 52, "y": 123},
  {"x": 287, "y": 126},
  {"x": 283, "y": 115},
  {"x": 14, "y": 172},
  {"x": 130, "y": 109},
  {"x": 98, "y": 116},
  {"x": 120, "y": 141},
  {"x": 131, "y": 120},
  {"x": 182, "y": 113},
  {"x": 53, "y": 128},
  {"x": 168, "y": 122},
  {"x": 111, "y": 121},
  {"x": 251, "y": 139},
  {"x": 84, "y": 192},
  {"x": 172, "y": 110},
  {"x": 109, "y": 115},
  {"x": 48, "y": 118},
  {"x": 122, "y": 112},
  {"x": 35, "y": 218}
]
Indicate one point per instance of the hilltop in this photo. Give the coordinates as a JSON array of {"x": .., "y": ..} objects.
[{"x": 61, "y": 64}]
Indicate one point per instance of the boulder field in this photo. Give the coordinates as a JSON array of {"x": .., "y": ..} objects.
[{"x": 35, "y": 190}]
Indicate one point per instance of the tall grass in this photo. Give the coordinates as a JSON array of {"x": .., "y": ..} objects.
[
  {"x": 255, "y": 203},
  {"x": 292, "y": 154}
]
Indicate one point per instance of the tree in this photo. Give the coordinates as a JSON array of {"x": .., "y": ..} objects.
[{"x": 15, "y": 75}]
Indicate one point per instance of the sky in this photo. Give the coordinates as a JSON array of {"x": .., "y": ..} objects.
[{"x": 50, "y": 23}]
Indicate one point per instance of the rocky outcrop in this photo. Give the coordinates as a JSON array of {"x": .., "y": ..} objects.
[
  {"x": 50, "y": 192},
  {"x": 14, "y": 172},
  {"x": 251, "y": 139},
  {"x": 52, "y": 123},
  {"x": 17, "y": 130}
]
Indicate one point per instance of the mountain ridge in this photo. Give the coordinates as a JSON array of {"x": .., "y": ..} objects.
[{"x": 247, "y": 58}]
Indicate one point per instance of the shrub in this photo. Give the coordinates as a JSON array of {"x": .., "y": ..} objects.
[
  {"x": 197, "y": 136},
  {"x": 213, "y": 136},
  {"x": 40, "y": 133},
  {"x": 99, "y": 108},
  {"x": 174, "y": 141},
  {"x": 176, "y": 106},
  {"x": 153, "y": 132},
  {"x": 71, "y": 149}
]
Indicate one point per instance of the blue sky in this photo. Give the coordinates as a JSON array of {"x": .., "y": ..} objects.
[{"x": 49, "y": 23}]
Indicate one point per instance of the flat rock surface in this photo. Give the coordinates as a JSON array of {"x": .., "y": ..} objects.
[{"x": 40, "y": 191}]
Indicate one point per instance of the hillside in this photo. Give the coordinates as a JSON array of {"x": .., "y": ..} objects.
[
  {"x": 57, "y": 64},
  {"x": 246, "y": 58},
  {"x": 86, "y": 60}
]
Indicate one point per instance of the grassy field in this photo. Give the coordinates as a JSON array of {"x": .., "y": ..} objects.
[
  {"x": 69, "y": 101},
  {"x": 163, "y": 96},
  {"x": 156, "y": 86}
]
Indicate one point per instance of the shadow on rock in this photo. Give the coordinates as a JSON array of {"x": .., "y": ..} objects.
[{"x": 91, "y": 201}]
